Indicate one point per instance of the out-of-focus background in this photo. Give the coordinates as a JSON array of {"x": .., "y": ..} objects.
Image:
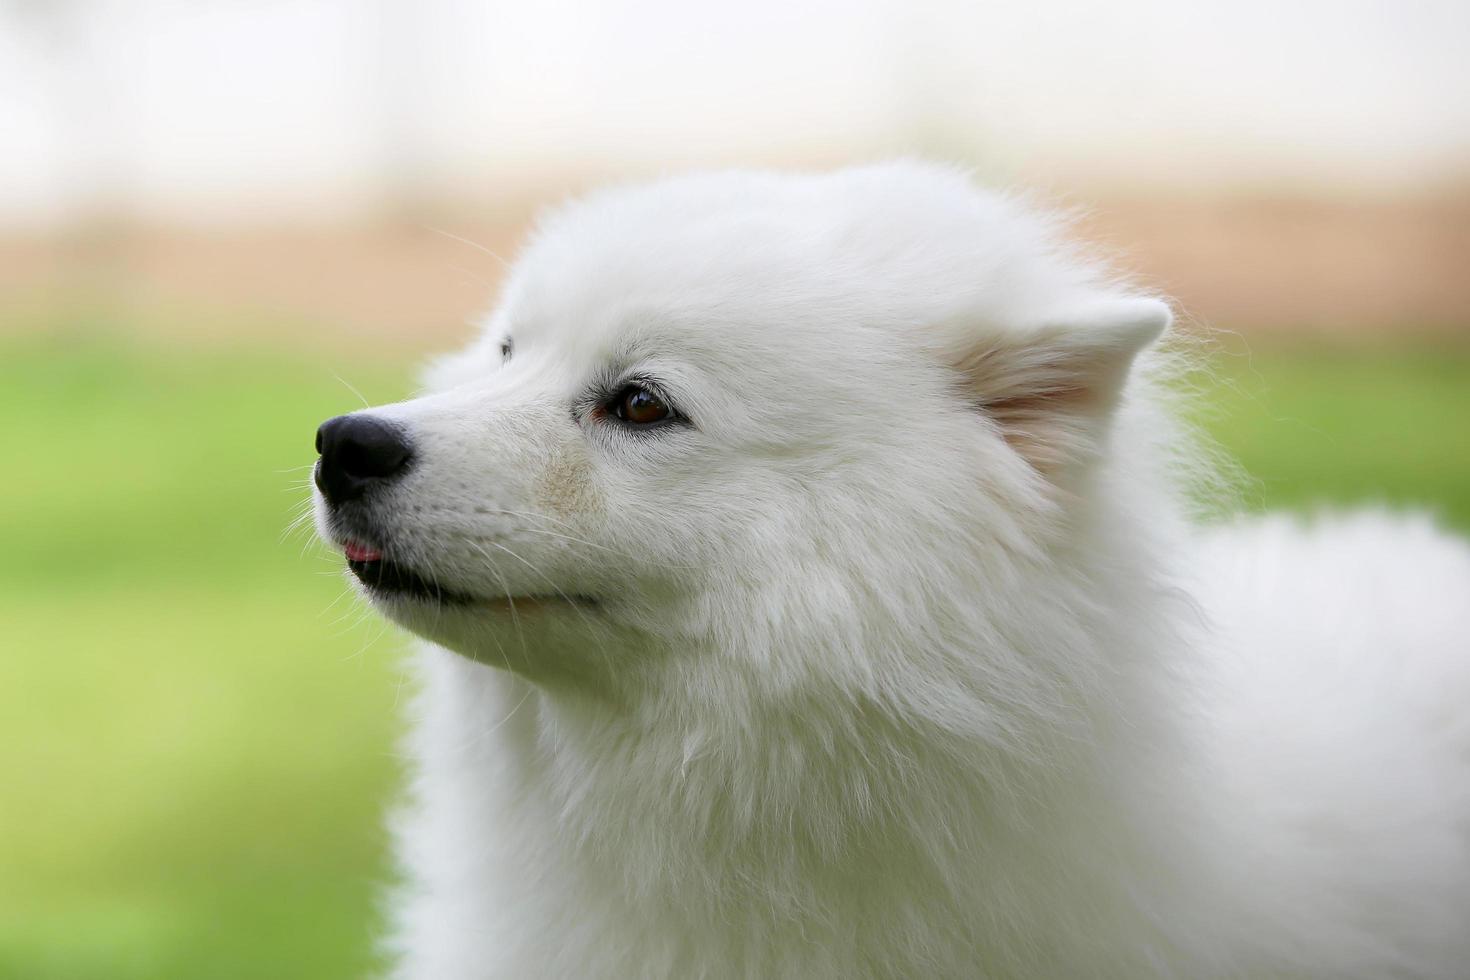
[{"x": 222, "y": 221}]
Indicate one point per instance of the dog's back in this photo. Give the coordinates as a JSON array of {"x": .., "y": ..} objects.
[{"x": 1335, "y": 697}]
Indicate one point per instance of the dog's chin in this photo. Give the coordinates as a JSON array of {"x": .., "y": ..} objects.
[{"x": 543, "y": 638}]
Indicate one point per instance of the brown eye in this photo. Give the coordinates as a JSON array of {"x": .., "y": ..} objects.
[{"x": 639, "y": 406}]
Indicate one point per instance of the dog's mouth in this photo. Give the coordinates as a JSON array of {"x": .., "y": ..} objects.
[{"x": 389, "y": 579}]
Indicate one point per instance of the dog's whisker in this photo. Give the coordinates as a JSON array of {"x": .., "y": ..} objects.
[
  {"x": 600, "y": 632},
  {"x": 369, "y": 643},
  {"x": 577, "y": 539},
  {"x": 514, "y": 615},
  {"x": 331, "y": 605},
  {"x": 348, "y": 385},
  {"x": 545, "y": 578},
  {"x": 298, "y": 524},
  {"x": 472, "y": 244}
]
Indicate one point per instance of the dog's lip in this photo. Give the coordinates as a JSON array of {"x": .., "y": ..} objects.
[
  {"x": 388, "y": 578},
  {"x": 357, "y": 551}
]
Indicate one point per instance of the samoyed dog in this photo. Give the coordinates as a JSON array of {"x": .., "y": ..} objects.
[{"x": 810, "y": 590}]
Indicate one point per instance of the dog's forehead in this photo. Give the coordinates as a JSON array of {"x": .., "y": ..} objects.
[
  {"x": 765, "y": 258},
  {"x": 653, "y": 262}
]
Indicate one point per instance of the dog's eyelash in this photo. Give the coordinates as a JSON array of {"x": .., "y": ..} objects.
[
  {"x": 597, "y": 403},
  {"x": 609, "y": 384}
]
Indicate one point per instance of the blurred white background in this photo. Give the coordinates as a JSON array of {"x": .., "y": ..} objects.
[
  {"x": 1222, "y": 141},
  {"x": 250, "y": 109}
]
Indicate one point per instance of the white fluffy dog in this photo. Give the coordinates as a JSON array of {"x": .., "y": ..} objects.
[{"x": 811, "y": 593}]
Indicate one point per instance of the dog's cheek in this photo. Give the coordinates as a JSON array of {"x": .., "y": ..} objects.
[{"x": 565, "y": 488}]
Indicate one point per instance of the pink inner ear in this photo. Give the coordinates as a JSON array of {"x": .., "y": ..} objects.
[
  {"x": 1057, "y": 397},
  {"x": 1052, "y": 390},
  {"x": 1050, "y": 400},
  {"x": 1041, "y": 433}
]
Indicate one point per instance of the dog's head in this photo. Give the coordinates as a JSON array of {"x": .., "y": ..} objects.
[{"x": 738, "y": 418}]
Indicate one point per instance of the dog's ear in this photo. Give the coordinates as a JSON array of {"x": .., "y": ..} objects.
[{"x": 1051, "y": 388}]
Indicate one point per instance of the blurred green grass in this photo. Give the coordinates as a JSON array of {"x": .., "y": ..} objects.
[
  {"x": 196, "y": 727},
  {"x": 196, "y": 723}
]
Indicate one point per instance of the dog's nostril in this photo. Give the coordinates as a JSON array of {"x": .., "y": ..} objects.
[
  {"x": 358, "y": 451},
  {"x": 371, "y": 449}
]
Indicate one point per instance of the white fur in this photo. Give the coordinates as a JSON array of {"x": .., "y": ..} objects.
[{"x": 906, "y": 659}]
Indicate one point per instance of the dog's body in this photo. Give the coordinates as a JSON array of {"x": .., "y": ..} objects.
[{"x": 855, "y": 626}]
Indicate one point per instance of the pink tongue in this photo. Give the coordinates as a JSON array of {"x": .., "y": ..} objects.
[{"x": 361, "y": 552}]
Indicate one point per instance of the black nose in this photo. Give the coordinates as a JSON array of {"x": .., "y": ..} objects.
[{"x": 358, "y": 451}]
